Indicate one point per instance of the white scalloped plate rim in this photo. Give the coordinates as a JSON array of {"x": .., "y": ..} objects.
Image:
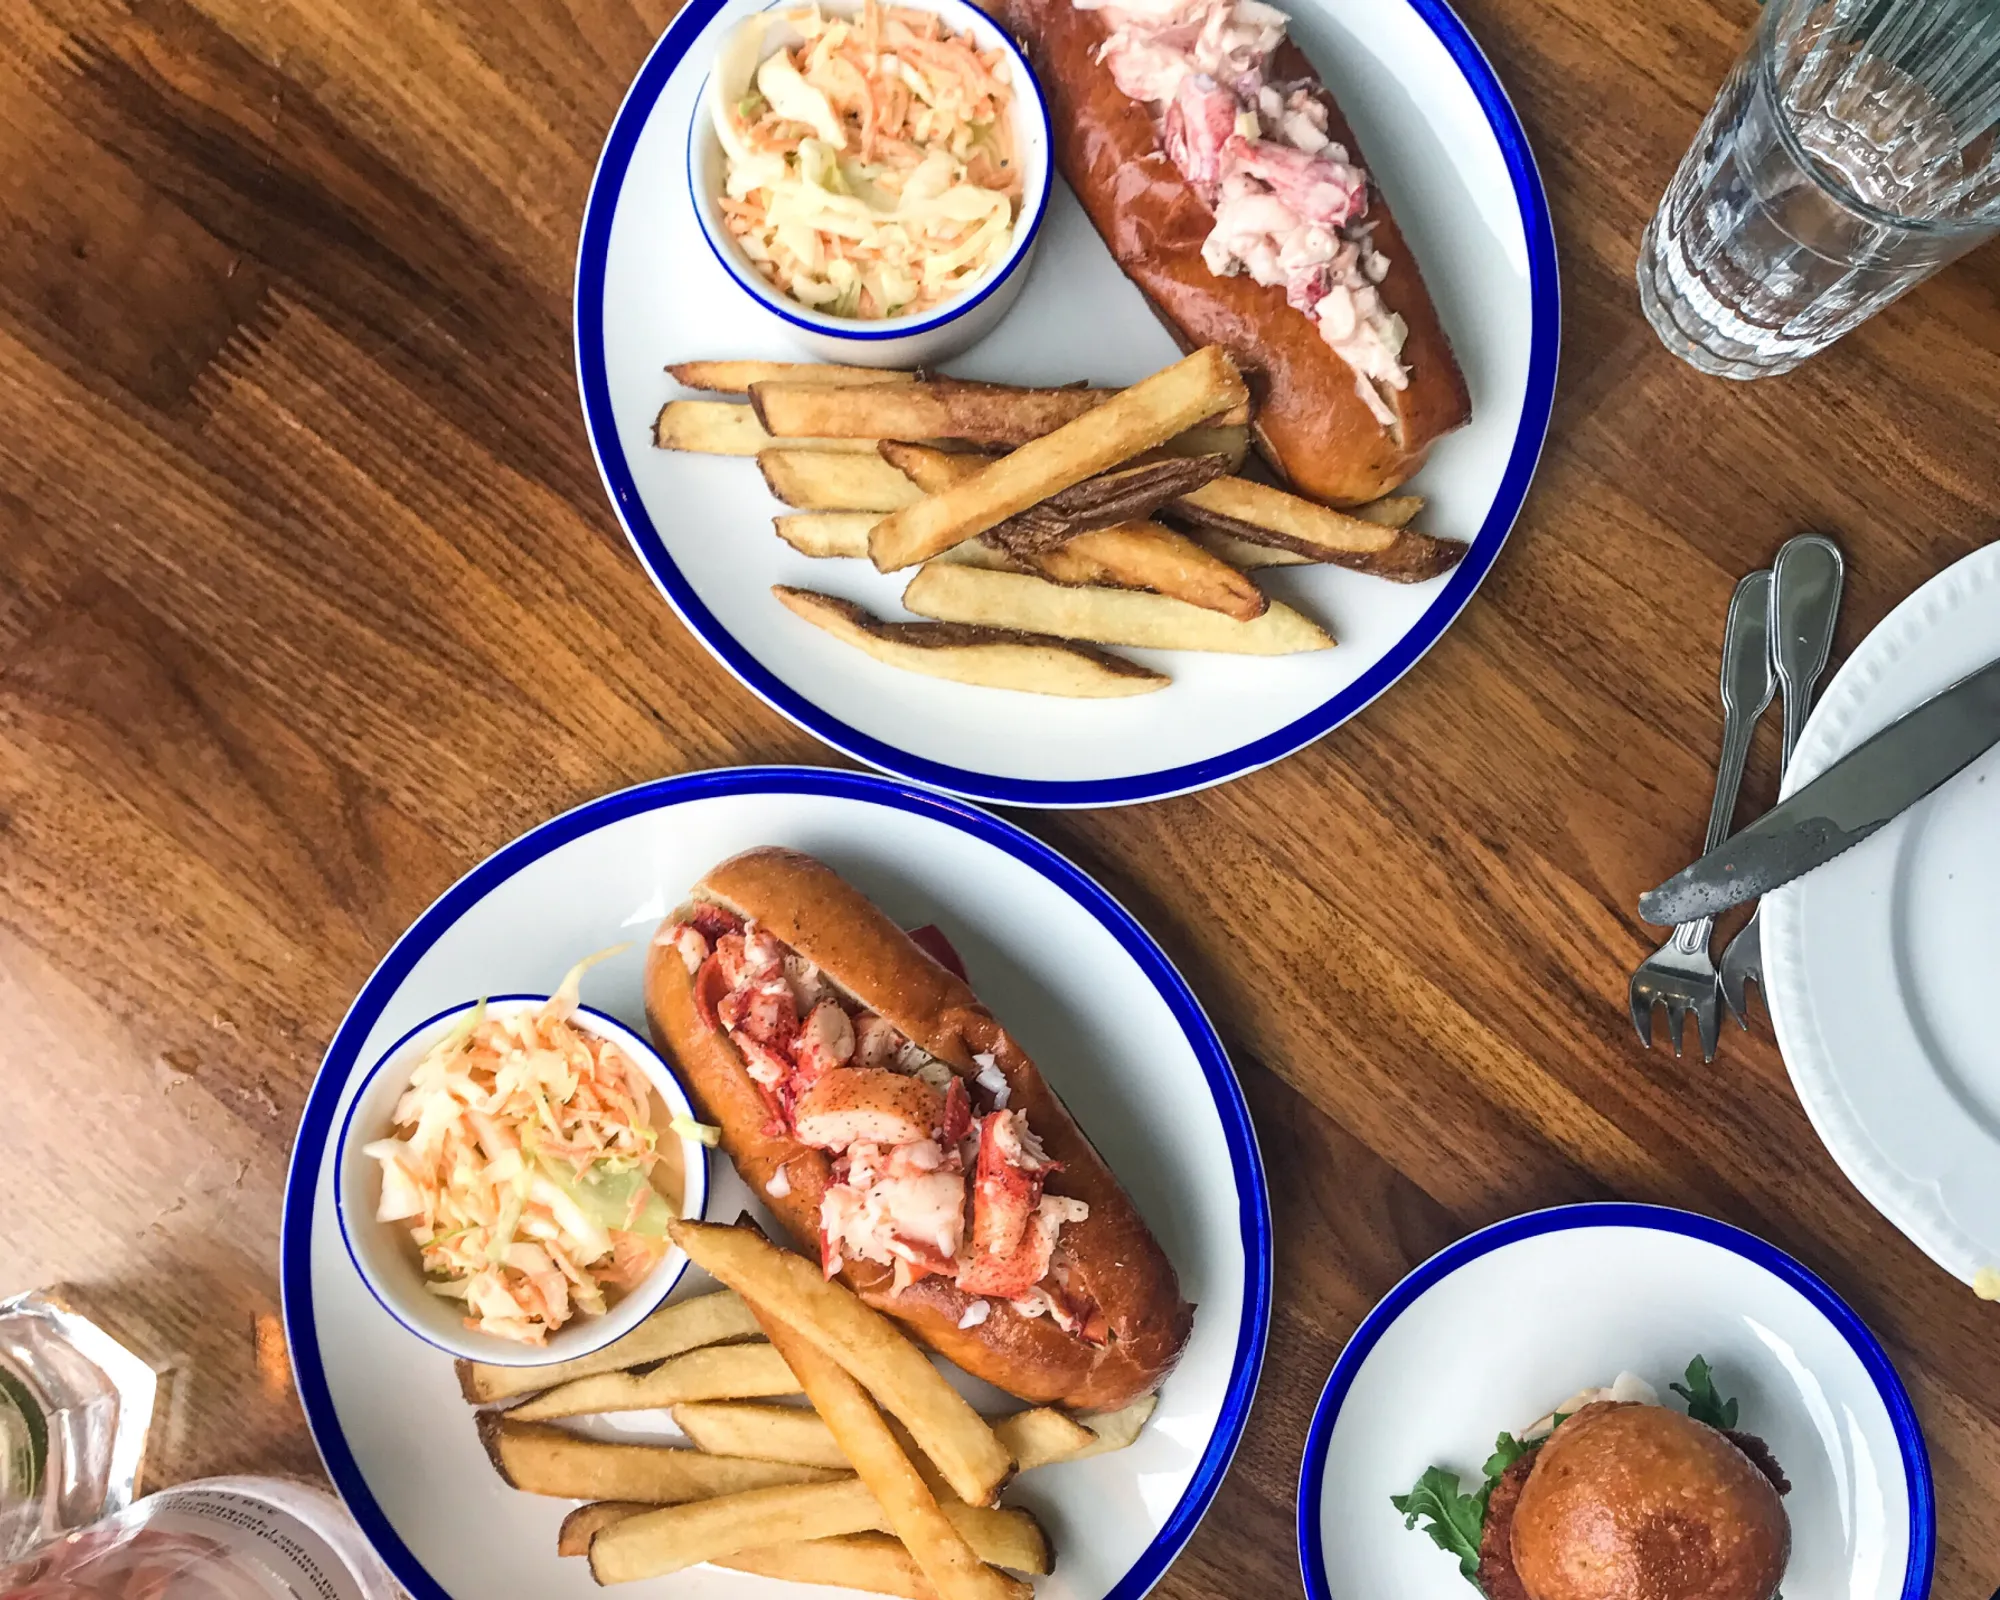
[{"x": 1913, "y": 1203}]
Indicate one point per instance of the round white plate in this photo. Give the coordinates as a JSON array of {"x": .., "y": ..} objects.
[
  {"x": 1881, "y": 965},
  {"x": 1491, "y": 1332},
  {"x": 1092, "y": 998},
  {"x": 1435, "y": 126}
]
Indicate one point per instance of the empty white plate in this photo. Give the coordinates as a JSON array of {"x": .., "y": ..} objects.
[
  {"x": 1492, "y": 1332},
  {"x": 1437, "y": 130},
  {"x": 1882, "y": 964},
  {"x": 1092, "y": 998}
]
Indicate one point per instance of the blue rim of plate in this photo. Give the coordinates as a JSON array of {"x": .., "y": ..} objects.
[
  {"x": 1017, "y": 259},
  {"x": 343, "y": 1059},
  {"x": 679, "y": 1101},
  {"x": 601, "y": 423},
  {"x": 1622, "y": 1214}
]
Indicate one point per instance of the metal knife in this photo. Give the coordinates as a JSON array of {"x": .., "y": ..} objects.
[{"x": 1866, "y": 788}]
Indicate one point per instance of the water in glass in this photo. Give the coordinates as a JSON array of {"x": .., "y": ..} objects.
[{"x": 1848, "y": 156}]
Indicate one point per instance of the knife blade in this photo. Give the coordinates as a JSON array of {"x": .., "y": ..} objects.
[{"x": 1865, "y": 789}]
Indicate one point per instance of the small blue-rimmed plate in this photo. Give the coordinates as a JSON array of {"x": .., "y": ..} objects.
[
  {"x": 1112, "y": 1025},
  {"x": 383, "y": 1254},
  {"x": 1490, "y": 1333},
  {"x": 1437, "y": 130}
]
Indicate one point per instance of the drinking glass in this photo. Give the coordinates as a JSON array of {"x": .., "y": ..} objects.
[{"x": 1850, "y": 154}]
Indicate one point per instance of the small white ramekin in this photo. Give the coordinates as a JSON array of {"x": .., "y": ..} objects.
[
  {"x": 384, "y": 1254},
  {"x": 924, "y": 338}
]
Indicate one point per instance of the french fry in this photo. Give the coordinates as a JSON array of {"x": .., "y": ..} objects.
[
  {"x": 832, "y": 480},
  {"x": 1042, "y": 1435},
  {"x": 845, "y": 533},
  {"x": 723, "y": 1372},
  {"x": 762, "y": 1433},
  {"x": 908, "y": 1505},
  {"x": 553, "y": 1461},
  {"x": 992, "y": 658},
  {"x": 1001, "y": 1536},
  {"x": 721, "y": 428},
  {"x": 1144, "y": 555},
  {"x": 1230, "y": 439},
  {"x": 1391, "y": 511},
  {"x": 1133, "y": 555},
  {"x": 736, "y": 377},
  {"x": 587, "y": 1521},
  {"x": 944, "y": 408},
  {"x": 1136, "y": 419},
  {"x": 994, "y": 414},
  {"x": 835, "y": 1321},
  {"x": 1103, "y": 616},
  {"x": 1116, "y": 1430},
  {"x": 654, "y": 1543},
  {"x": 1260, "y": 514},
  {"x": 685, "y": 1325},
  {"x": 875, "y": 1563}
]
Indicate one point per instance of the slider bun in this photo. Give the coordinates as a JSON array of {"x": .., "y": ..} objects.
[{"x": 1630, "y": 1501}]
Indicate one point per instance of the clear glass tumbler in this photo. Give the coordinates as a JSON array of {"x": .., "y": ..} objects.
[{"x": 1850, "y": 154}]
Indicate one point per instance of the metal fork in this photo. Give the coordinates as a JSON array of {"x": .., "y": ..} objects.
[
  {"x": 1681, "y": 975},
  {"x": 1805, "y": 600}
]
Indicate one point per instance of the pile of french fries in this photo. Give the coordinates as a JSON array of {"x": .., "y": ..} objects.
[
  {"x": 1043, "y": 524},
  {"x": 887, "y": 1483}
]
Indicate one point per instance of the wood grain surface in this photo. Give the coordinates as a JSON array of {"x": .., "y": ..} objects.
[{"x": 310, "y": 598}]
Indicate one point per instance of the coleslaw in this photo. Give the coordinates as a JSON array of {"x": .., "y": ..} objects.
[
  {"x": 871, "y": 169},
  {"x": 522, "y": 1158}
]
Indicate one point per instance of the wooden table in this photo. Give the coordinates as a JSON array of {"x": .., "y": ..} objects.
[{"x": 309, "y": 598}]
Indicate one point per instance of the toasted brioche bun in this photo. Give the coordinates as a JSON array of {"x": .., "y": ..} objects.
[
  {"x": 1311, "y": 423},
  {"x": 1118, "y": 1263},
  {"x": 1627, "y": 1500}
]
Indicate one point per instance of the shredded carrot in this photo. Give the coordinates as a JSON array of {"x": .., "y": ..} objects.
[{"x": 907, "y": 93}]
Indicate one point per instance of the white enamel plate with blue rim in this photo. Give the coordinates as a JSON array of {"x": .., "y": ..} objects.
[
  {"x": 1880, "y": 966},
  {"x": 1091, "y": 997},
  {"x": 1490, "y": 1333},
  {"x": 1437, "y": 131}
]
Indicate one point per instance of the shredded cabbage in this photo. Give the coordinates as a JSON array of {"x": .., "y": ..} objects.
[{"x": 521, "y": 1161}]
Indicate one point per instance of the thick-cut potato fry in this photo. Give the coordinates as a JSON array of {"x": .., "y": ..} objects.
[
  {"x": 1103, "y": 616},
  {"x": 1144, "y": 555},
  {"x": 762, "y": 1433},
  {"x": 824, "y": 534},
  {"x": 553, "y": 1461},
  {"x": 1263, "y": 515},
  {"x": 835, "y": 1321},
  {"x": 991, "y": 658},
  {"x": 587, "y": 1521},
  {"x": 993, "y": 414},
  {"x": 1136, "y": 419},
  {"x": 1042, "y": 1435},
  {"x": 724, "y": 1372},
  {"x": 735, "y": 377},
  {"x": 876, "y": 1563},
  {"x": 945, "y": 408},
  {"x": 1001, "y": 1536},
  {"x": 845, "y": 533},
  {"x": 658, "y": 1542},
  {"x": 1230, "y": 439},
  {"x": 685, "y": 1325},
  {"x": 1391, "y": 511},
  {"x": 908, "y": 1505},
  {"x": 722, "y": 428},
  {"x": 831, "y": 480},
  {"x": 1131, "y": 555}
]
